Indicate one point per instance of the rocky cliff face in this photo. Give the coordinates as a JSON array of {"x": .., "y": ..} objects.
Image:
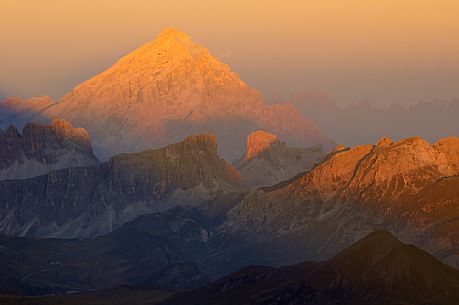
[
  {"x": 450, "y": 148},
  {"x": 94, "y": 200},
  {"x": 406, "y": 187},
  {"x": 268, "y": 161},
  {"x": 258, "y": 142},
  {"x": 219, "y": 228},
  {"x": 395, "y": 170},
  {"x": 43, "y": 148},
  {"x": 171, "y": 88},
  {"x": 184, "y": 165}
]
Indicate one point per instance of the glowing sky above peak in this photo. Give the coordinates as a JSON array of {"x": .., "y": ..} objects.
[{"x": 382, "y": 51}]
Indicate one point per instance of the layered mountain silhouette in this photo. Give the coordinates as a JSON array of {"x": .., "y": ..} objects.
[
  {"x": 43, "y": 148},
  {"x": 378, "y": 269},
  {"x": 166, "y": 211},
  {"x": 407, "y": 187},
  {"x": 363, "y": 122},
  {"x": 161, "y": 249},
  {"x": 171, "y": 88},
  {"x": 268, "y": 160},
  {"x": 94, "y": 200}
]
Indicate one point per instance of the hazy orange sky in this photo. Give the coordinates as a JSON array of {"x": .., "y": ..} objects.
[{"x": 382, "y": 51}]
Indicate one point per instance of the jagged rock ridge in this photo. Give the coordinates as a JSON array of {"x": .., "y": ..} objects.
[
  {"x": 312, "y": 216},
  {"x": 257, "y": 142},
  {"x": 268, "y": 160},
  {"x": 409, "y": 188},
  {"x": 94, "y": 200},
  {"x": 42, "y": 148}
]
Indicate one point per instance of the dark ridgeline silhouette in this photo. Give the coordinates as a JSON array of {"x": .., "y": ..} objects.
[{"x": 378, "y": 269}]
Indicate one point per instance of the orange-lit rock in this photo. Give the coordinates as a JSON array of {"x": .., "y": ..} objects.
[
  {"x": 257, "y": 142},
  {"x": 170, "y": 88},
  {"x": 268, "y": 160},
  {"x": 450, "y": 148},
  {"x": 408, "y": 187},
  {"x": 384, "y": 141}
]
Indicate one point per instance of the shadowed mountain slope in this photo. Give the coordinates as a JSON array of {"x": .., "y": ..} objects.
[
  {"x": 43, "y": 148},
  {"x": 378, "y": 269},
  {"x": 268, "y": 160},
  {"x": 95, "y": 200}
]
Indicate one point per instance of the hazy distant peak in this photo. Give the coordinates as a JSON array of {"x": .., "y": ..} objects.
[
  {"x": 39, "y": 100},
  {"x": 170, "y": 88}
]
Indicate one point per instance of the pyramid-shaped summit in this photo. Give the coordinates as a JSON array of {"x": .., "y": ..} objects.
[
  {"x": 172, "y": 36},
  {"x": 170, "y": 88}
]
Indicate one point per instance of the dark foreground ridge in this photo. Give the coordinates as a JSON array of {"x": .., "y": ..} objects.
[{"x": 378, "y": 269}]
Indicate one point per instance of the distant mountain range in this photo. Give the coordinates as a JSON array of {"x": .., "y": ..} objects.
[
  {"x": 162, "y": 92},
  {"x": 362, "y": 123}
]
